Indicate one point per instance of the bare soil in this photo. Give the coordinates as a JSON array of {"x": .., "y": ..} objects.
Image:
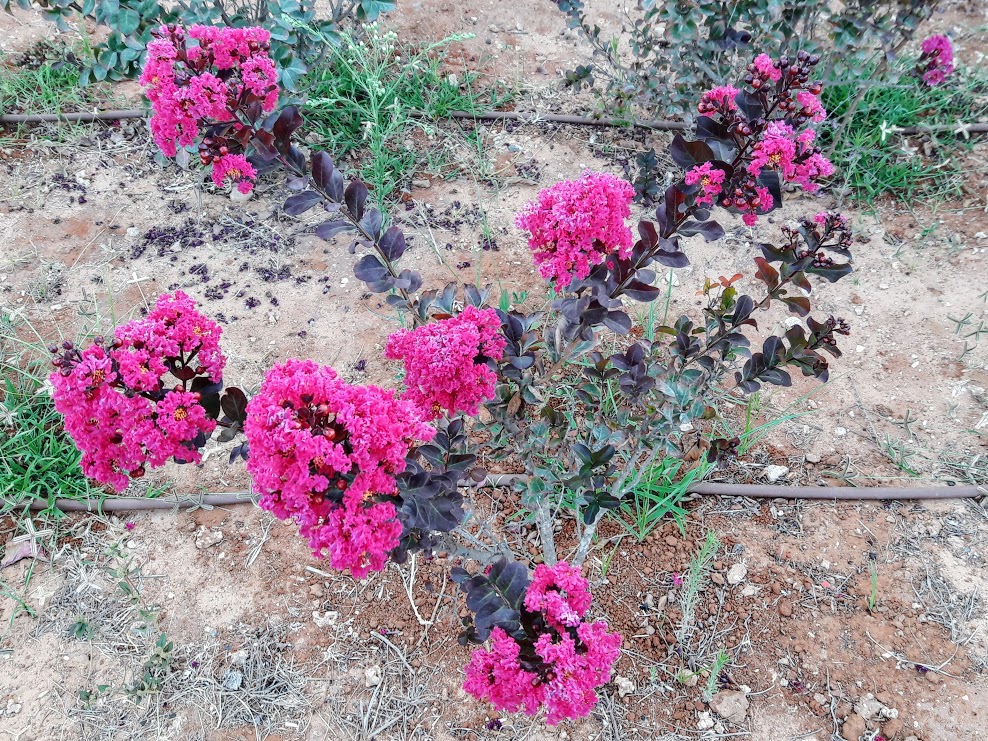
[{"x": 269, "y": 644}]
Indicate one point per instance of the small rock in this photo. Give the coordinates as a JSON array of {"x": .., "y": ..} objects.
[
  {"x": 854, "y": 727},
  {"x": 812, "y": 458},
  {"x": 373, "y": 676},
  {"x": 624, "y": 685},
  {"x": 206, "y": 538},
  {"x": 316, "y": 590},
  {"x": 730, "y": 705},
  {"x": 774, "y": 473},
  {"x": 421, "y": 183},
  {"x": 704, "y": 721},
  {"x": 840, "y": 431},
  {"x": 133, "y": 231},
  {"x": 717, "y": 579},
  {"x": 750, "y": 590},
  {"x": 237, "y": 197},
  {"x": 980, "y": 235},
  {"x": 737, "y": 573},
  {"x": 870, "y": 708},
  {"x": 232, "y": 680},
  {"x": 785, "y": 608}
]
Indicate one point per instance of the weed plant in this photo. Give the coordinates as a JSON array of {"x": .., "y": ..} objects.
[
  {"x": 371, "y": 94},
  {"x": 877, "y": 160}
]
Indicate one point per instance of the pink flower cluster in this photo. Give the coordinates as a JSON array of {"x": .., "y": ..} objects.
[
  {"x": 937, "y": 60},
  {"x": 445, "y": 361},
  {"x": 710, "y": 178},
  {"x": 766, "y": 69},
  {"x": 114, "y": 400},
  {"x": 720, "y": 99},
  {"x": 192, "y": 86},
  {"x": 574, "y": 657},
  {"x": 325, "y": 452},
  {"x": 574, "y": 224},
  {"x": 792, "y": 155}
]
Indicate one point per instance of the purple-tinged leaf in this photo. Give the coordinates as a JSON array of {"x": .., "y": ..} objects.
[
  {"x": 322, "y": 168},
  {"x": 372, "y": 222},
  {"x": 686, "y": 154},
  {"x": 355, "y": 196},
  {"x": 392, "y": 244},
  {"x": 370, "y": 270},
  {"x": 329, "y": 229},
  {"x": 301, "y": 202},
  {"x": 711, "y": 230}
]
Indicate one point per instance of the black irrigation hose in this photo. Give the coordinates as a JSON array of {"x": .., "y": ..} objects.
[
  {"x": 657, "y": 125},
  {"x": 754, "y": 491}
]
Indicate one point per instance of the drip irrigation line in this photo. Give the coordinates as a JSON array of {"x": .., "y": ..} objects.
[
  {"x": 754, "y": 491},
  {"x": 524, "y": 117}
]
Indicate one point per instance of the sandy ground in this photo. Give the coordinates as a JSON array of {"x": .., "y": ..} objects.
[{"x": 266, "y": 644}]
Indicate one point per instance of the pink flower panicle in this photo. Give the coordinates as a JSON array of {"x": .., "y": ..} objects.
[
  {"x": 574, "y": 224},
  {"x": 575, "y": 657},
  {"x": 765, "y": 69},
  {"x": 718, "y": 100},
  {"x": 446, "y": 361},
  {"x": 113, "y": 396},
  {"x": 711, "y": 180},
  {"x": 937, "y": 60},
  {"x": 199, "y": 78},
  {"x": 325, "y": 453},
  {"x": 782, "y": 101},
  {"x": 792, "y": 155}
]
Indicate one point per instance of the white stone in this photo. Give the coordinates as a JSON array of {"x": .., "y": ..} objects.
[
  {"x": 624, "y": 685},
  {"x": 704, "y": 721},
  {"x": 737, "y": 573},
  {"x": 730, "y": 705},
  {"x": 373, "y": 676},
  {"x": 774, "y": 473}
]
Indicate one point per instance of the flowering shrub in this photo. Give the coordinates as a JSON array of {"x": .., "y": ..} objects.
[
  {"x": 325, "y": 453},
  {"x": 446, "y": 362},
  {"x": 542, "y": 652},
  {"x": 937, "y": 60},
  {"x": 574, "y": 224},
  {"x": 370, "y": 475},
  {"x": 115, "y": 400},
  {"x": 195, "y": 86}
]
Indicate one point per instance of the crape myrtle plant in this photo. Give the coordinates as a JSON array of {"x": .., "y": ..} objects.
[{"x": 372, "y": 474}]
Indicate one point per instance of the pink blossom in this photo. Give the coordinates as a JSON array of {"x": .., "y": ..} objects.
[
  {"x": 192, "y": 88},
  {"x": 574, "y": 224},
  {"x": 776, "y": 149},
  {"x": 576, "y": 656},
  {"x": 113, "y": 400},
  {"x": 445, "y": 361},
  {"x": 710, "y": 178},
  {"x": 810, "y": 106},
  {"x": 236, "y": 168},
  {"x": 937, "y": 60},
  {"x": 494, "y": 675},
  {"x": 559, "y": 592},
  {"x": 766, "y": 69},
  {"x": 719, "y": 99},
  {"x": 322, "y": 451}
]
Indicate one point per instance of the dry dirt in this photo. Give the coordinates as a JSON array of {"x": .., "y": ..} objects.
[{"x": 269, "y": 645}]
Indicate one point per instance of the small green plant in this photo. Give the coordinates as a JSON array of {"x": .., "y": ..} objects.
[
  {"x": 298, "y": 32},
  {"x": 693, "y": 582},
  {"x": 658, "y": 494},
  {"x": 872, "y": 600},
  {"x": 370, "y": 94},
  {"x": 721, "y": 660}
]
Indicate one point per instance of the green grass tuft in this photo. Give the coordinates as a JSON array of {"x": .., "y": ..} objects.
[
  {"x": 361, "y": 100},
  {"x": 875, "y": 160}
]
